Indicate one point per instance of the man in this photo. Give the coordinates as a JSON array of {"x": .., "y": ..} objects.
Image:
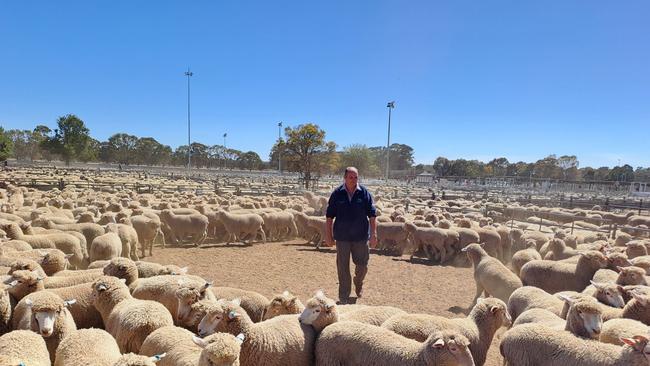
[{"x": 354, "y": 228}]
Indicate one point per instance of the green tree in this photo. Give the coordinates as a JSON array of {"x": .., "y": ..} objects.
[
  {"x": 305, "y": 146},
  {"x": 442, "y": 166},
  {"x": 499, "y": 166},
  {"x": 6, "y": 146},
  {"x": 71, "y": 139},
  {"x": 249, "y": 160},
  {"x": 361, "y": 157},
  {"x": 122, "y": 148}
]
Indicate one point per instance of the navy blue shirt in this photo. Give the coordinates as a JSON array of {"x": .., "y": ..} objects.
[{"x": 351, "y": 215}]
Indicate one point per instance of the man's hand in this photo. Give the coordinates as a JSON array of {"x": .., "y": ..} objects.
[{"x": 373, "y": 241}]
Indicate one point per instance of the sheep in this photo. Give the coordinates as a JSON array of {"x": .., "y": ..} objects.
[
  {"x": 193, "y": 224},
  {"x": 554, "y": 276},
  {"x": 23, "y": 283},
  {"x": 432, "y": 240},
  {"x": 390, "y": 235},
  {"x": 73, "y": 244},
  {"x": 106, "y": 246},
  {"x": 89, "y": 230},
  {"x": 351, "y": 343},
  {"x": 165, "y": 290},
  {"x": 282, "y": 304},
  {"x": 58, "y": 282},
  {"x": 638, "y": 308},
  {"x": 50, "y": 260},
  {"x": 181, "y": 347},
  {"x": 25, "y": 264},
  {"x": 635, "y": 249},
  {"x": 278, "y": 341},
  {"x": 251, "y": 301},
  {"x": 536, "y": 344},
  {"x": 150, "y": 269},
  {"x": 23, "y": 347},
  {"x": 524, "y": 256},
  {"x": 583, "y": 317},
  {"x": 642, "y": 262},
  {"x": 616, "y": 329},
  {"x": 278, "y": 225},
  {"x": 147, "y": 230},
  {"x": 50, "y": 318},
  {"x": 131, "y": 359},
  {"x": 241, "y": 226},
  {"x": 87, "y": 347},
  {"x": 491, "y": 241},
  {"x": 607, "y": 293},
  {"x": 128, "y": 237},
  {"x": 83, "y": 311},
  {"x": 127, "y": 319},
  {"x": 18, "y": 245},
  {"x": 490, "y": 274},
  {"x": 558, "y": 250},
  {"x": 529, "y": 297},
  {"x": 487, "y": 316},
  {"x": 35, "y": 241},
  {"x": 6, "y": 307}
]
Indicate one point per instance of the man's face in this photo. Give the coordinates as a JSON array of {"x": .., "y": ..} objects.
[{"x": 351, "y": 179}]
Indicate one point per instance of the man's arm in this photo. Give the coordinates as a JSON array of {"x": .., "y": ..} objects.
[
  {"x": 373, "y": 232},
  {"x": 329, "y": 237}
]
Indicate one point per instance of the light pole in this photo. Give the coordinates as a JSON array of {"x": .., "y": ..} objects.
[
  {"x": 390, "y": 107},
  {"x": 224, "y": 149},
  {"x": 279, "y": 148},
  {"x": 189, "y": 74}
]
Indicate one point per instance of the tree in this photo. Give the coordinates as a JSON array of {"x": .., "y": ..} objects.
[
  {"x": 305, "y": 145},
  {"x": 249, "y": 160},
  {"x": 121, "y": 147},
  {"x": 499, "y": 166},
  {"x": 442, "y": 166},
  {"x": 6, "y": 146},
  {"x": 361, "y": 157},
  {"x": 277, "y": 152},
  {"x": 569, "y": 165},
  {"x": 71, "y": 139}
]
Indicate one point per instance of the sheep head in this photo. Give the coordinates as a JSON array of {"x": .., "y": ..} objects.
[
  {"x": 320, "y": 311},
  {"x": 447, "y": 347},
  {"x": 285, "y": 303},
  {"x": 609, "y": 293}
]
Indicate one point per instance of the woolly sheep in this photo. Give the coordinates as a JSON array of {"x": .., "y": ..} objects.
[
  {"x": 558, "y": 250},
  {"x": 536, "y": 344},
  {"x": 87, "y": 347},
  {"x": 23, "y": 347},
  {"x": 150, "y": 269},
  {"x": 432, "y": 240},
  {"x": 50, "y": 260},
  {"x": 89, "y": 230},
  {"x": 106, "y": 247},
  {"x": 23, "y": 283},
  {"x": 282, "y": 304},
  {"x": 147, "y": 230},
  {"x": 616, "y": 329},
  {"x": 181, "y": 347},
  {"x": 607, "y": 293},
  {"x": 392, "y": 235},
  {"x": 193, "y": 224},
  {"x": 524, "y": 256},
  {"x": 490, "y": 275},
  {"x": 6, "y": 307},
  {"x": 638, "y": 308},
  {"x": 487, "y": 316},
  {"x": 73, "y": 244},
  {"x": 50, "y": 318},
  {"x": 529, "y": 297},
  {"x": 127, "y": 319},
  {"x": 252, "y": 302},
  {"x": 352, "y": 343},
  {"x": 242, "y": 226},
  {"x": 35, "y": 241},
  {"x": 554, "y": 276},
  {"x": 278, "y": 341},
  {"x": 279, "y": 225},
  {"x": 128, "y": 237}
]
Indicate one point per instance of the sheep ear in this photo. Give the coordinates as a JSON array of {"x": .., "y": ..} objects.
[
  {"x": 620, "y": 269},
  {"x": 285, "y": 293},
  {"x": 42, "y": 253},
  {"x": 199, "y": 342},
  {"x": 68, "y": 256},
  {"x": 13, "y": 283},
  {"x": 157, "y": 358},
  {"x": 102, "y": 287},
  {"x": 70, "y": 302},
  {"x": 207, "y": 284},
  {"x": 463, "y": 249},
  {"x": 597, "y": 285},
  {"x": 567, "y": 299},
  {"x": 236, "y": 301},
  {"x": 439, "y": 343},
  {"x": 240, "y": 338},
  {"x": 29, "y": 302},
  {"x": 628, "y": 341},
  {"x": 329, "y": 307},
  {"x": 319, "y": 294}
]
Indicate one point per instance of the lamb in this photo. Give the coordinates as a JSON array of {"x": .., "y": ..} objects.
[
  {"x": 127, "y": 319},
  {"x": 242, "y": 226},
  {"x": 638, "y": 308},
  {"x": 607, "y": 293},
  {"x": 635, "y": 249},
  {"x": 432, "y": 240},
  {"x": 63, "y": 281},
  {"x": 35, "y": 241},
  {"x": 554, "y": 276},
  {"x": 18, "y": 245},
  {"x": 274, "y": 342},
  {"x": 23, "y": 347},
  {"x": 165, "y": 290},
  {"x": 106, "y": 246},
  {"x": 558, "y": 250},
  {"x": 536, "y": 344},
  {"x": 491, "y": 276},
  {"x": 524, "y": 256},
  {"x": 529, "y": 297},
  {"x": 279, "y": 225},
  {"x": 282, "y": 304},
  {"x": 150, "y": 269},
  {"x": 88, "y": 347},
  {"x": 73, "y": 244},
  {"x": 181, "y": 226},
  {"x": 491, "y": 241},
  {"x": 50, "y": 318},
  {"x": 487, "y": 316},
  {"x": 128, "y": 237},
  {"x": 583, "y": 318},
  {"x": 352, "y": 343},
  {"x": 147, "y": 230},
  {"x": 251, "y": 301},
  {"x": 181, "y": 347}
]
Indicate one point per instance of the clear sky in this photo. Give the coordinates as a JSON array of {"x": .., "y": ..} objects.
[{"x": 471, "y": 79}]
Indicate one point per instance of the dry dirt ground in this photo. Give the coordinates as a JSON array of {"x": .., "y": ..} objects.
[{"x": 274, "y": 267}]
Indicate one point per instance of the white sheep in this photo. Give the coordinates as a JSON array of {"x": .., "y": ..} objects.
[
  {"x": 554, "y": 276},
  {"x": 23, "y": 347},
  {"x": 285, "y": 303},
  {"x": 128, "y": 237},
  {"x": 105, "y": 247},
  {"x": 523, "y": 256},
  {"x": 279, "y": 225},
  {"x": 127, "y": 319},
  {"x": 352, "y": 343},
  {"x": 242, "y": 226},
  {"x": 181, "y": 226},
  {"x": 491, "y": 276}
]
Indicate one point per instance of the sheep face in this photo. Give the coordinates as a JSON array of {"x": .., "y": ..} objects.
[
  {"x": 610, "y": 294},
  {"x": 213, "y": 316},
  {"x": 587, "y": 313},
  {"x": 631, "y": 276},
  {"x": 447, "y": 347},
  {"x": 219, "y": 349},
  {"x": 188, "y": 296},
  {"x": 282, "y": 304},
  {"x": 640, "y": 344},
  {"x": 24, "y": 283}
]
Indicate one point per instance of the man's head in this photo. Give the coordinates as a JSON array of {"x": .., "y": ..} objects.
[{"x": 351, "y": 177}]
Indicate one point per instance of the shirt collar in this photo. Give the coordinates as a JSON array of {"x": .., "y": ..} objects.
[{"x": 343, "y": 187}]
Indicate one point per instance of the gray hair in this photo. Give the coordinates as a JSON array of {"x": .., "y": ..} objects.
[{"x": 350, "y": 169}]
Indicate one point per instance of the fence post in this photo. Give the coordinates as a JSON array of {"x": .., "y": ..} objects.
[
  {"x": 614, "y": 231},
  {"x": 540, "y": 224},
  {"x": 607, "y": 204},
  {"x": 573, "y": 223},
  {"x": 571, "y": 203},
  {"x": 640, "y": 206}
]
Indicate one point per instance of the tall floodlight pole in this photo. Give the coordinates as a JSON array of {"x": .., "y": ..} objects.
[
  {"x": 189, "y": 74},
  {"x": 224, "y": 149},
  {"x": 279, "y": 148},
  {"x": 390, "y": 107}
]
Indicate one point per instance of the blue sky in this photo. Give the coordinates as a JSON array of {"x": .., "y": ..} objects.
[{"x": 471, "y": 79}]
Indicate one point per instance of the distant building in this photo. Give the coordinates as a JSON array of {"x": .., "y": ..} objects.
[{"x": 425, "y": 178}]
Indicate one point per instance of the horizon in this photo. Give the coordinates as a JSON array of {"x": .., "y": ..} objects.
[{"x": 470, "y": 81}]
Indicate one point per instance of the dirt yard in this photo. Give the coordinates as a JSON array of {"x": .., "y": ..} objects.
[{"x": 274, "y": 267}]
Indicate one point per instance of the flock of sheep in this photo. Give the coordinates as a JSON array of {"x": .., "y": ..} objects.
[{"x": 76, "y": 290}]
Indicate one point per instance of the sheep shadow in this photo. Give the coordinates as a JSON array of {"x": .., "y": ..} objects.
[
  {"x": 308, "y": 245},
  {"x": 319, "y": 250},
  {"x": 225, "y": 246},
  {"x": 420, "y": 261},
  {"x": 459, "y": 310}
]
